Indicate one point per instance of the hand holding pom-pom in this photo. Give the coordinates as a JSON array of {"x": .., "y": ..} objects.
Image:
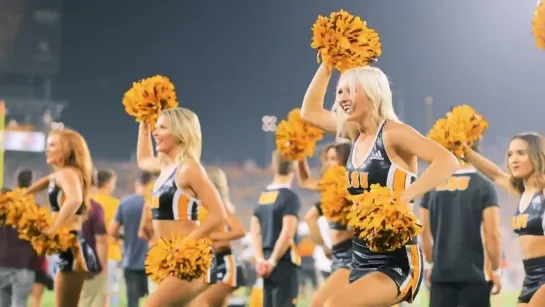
[
  {"x": 344, "y": 41},
  {"x": 538, "y": 24},
  {"x": 148, "y": 97},
  {"x": 296, "y": 138},
  {"x": 462, "y": 127},
  {"x": 13, "y": 205},
  {"x": 334, "y": 197},
  {"x": 382, "y": 220}
]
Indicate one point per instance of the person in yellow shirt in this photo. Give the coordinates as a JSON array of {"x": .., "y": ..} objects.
[{"x": 106, "y": 183}]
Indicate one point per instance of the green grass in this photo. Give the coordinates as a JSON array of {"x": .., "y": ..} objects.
[{"x": 502, "y": 300}]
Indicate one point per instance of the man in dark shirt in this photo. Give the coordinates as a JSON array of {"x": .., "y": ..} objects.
[
  {"x": 128, "y": 216},
  {"x": 273, "y": 228},
  {"x": 457, "y": 217},
  {"x": 18, "y": 260},
  {"x": 93, "y": 293}
]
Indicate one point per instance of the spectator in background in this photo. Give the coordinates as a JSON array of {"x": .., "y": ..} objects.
[
  {"x": 42, "y": 278},
  {"x": 18, "y": 264},
  {"x": 106, "y": 182},
  {"x": 93, "y": 293},
  {"x": 135, "y": 249}
]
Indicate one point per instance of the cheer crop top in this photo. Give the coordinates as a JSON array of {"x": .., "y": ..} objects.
[
  {"x": 377, "y": 168},
  {"x": 530, "y": 222},
  {"x": 56, "y": 198},
  {"x": 169, "y": 202}
]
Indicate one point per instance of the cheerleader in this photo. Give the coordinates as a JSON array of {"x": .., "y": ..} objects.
[
  {"x": 69, "y": 187},
  {"x": 340, "y": 235},
  {"x": 526, "y": 178},
  {"x": 228, "y": 273},
  {"x": 181, "y": 186},
  {"x": 385, "y": 152}
]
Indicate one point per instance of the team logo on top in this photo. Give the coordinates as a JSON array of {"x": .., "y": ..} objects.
[{"x": 377, "y": 155}]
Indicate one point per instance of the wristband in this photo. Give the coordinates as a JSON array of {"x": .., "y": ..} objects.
[{"x": 428, "y": 265}]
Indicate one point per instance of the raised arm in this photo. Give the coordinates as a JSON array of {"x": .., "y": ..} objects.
[
  {"x": 305, "y": 179},
  {"x": 144, "y": 151},
  {"x": 312, "y": 109},
  {"x": 488, "y": 168}
]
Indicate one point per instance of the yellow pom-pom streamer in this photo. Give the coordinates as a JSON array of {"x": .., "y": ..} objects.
[
  {"x": 462, "y": 126},
  {"x": 382, "y": 220},
  {"x": 296, "y": 138},
  {"x": 12, "y": 206},
  {"x": 538, "y": 25},
  {"x": 30, "y": 220},
  {"x": 335, "y": 199},
  {"x": 344, "y": 41},
  {"x": 148, "y": 97},
  {"x": 184, "y": 259}
]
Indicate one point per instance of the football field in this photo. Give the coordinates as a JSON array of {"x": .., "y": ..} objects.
[{"x": 505, "y": 299}]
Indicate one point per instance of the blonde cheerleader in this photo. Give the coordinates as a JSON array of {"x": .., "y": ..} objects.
[
  {"x": 179, "y": 261},
  {"x": 381, "y": 170}
]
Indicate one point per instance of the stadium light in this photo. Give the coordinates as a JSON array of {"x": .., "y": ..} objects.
[{"x": 269, "y": 123}]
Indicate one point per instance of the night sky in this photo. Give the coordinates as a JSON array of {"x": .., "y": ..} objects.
[{"x": 235, "y": 61}]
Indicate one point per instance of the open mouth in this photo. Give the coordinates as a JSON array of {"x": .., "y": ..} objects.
[{"x": 347, "y": 108}]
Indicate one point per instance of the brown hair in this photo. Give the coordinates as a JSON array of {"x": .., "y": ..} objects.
[
  {"x": 283, "y": 166},
  {"x": 342, "y": 150},
  {"x": 536, "y": 153},
  {"x": 76, "y": 155}
]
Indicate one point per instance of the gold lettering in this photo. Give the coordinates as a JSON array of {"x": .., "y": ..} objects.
[
  {"x": 267, "y": 198},
  {"x": 358, "y": 180},
  {"x": 454, "y": 183}
]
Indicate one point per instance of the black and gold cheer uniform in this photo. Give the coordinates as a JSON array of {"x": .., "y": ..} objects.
[
  {"x": 530, "y": 222},
  {"x": 404, "y": 265},
  {"x": 280, "y": 288},
  {"x": 227, "y": 268},
  {"x": 341, "y": 252},
  {"x": 170, "y": 203},
  {"x": 84, "y": 257},
  {"x": 461, "y": 273}
]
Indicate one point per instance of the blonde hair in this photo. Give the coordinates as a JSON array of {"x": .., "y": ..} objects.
[
  {"x": 536, "y": 153},
  {"x": 377, "y": 88},
  {"x": 76, "y": 154},
  {"x": 186, "y": 128},
  {"x": 219, "y": 180}
]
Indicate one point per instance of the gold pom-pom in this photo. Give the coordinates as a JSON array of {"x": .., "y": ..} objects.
[
  {"x": 148, "y": 97},
  {"x": 344, "y": 41},
  {"x": 21, "y": 212},
  {"x": 186, "y": 259},
  {"x": 296, "y": 138},
  {"x": 12, "y": 206},
  {"x": 334, "y": 197},
  {"x": 538, "y": 25},
  {"x": 382, "y": 220},
  {"x": 461, "y": 127}
]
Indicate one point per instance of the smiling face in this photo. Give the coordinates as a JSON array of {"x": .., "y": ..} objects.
[
  {"x": 331, "y": 158},
  {"x": 352, "y": 100},
  {"x": 165, "y": 141},
  {"x": 54, "y": 151},
  {"x": 518, "y": 159}
]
